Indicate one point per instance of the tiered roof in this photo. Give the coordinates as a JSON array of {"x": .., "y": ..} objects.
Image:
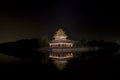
[{"x": 59, "y": 33}]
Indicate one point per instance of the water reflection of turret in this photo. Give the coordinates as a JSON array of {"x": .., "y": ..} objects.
[{"x": 60, "y": 59}]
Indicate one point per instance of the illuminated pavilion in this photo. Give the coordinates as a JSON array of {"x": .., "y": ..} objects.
[{"x": 60, "y": 40}]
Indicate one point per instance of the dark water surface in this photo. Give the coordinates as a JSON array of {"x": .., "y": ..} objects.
[{"x": 84, "y": 66}]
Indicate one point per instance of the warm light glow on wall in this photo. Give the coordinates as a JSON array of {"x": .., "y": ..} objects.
[
  {"x": 60, "y": 38},
  {"x": 60, "y": 56},
  {"x": 61, "y": 44}
]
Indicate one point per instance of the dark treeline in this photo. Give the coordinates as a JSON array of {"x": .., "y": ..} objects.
[
  {"x": 108, "y": 47},
  {"x": 21, "y": 44},
  {"x": 102, "y": 43},
  {"x": 25, "y": 49}
]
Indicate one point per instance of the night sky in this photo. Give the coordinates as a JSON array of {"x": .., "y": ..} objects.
[{"x": 82, "y": 19}]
